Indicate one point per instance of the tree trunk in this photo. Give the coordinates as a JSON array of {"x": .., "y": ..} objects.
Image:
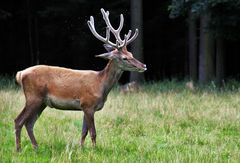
[
  {"x": 192, "y": 47},
  {"x": 29, "y": 19},
  {"x": 220, "y": 64},
  {"x": 37, "y": 40},
  {"x": 137, "y": 45},
  {"x": 206, "y": 52}
]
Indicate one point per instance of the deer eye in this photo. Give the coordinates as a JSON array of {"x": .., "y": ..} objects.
[{"x": 124, "y": 58}]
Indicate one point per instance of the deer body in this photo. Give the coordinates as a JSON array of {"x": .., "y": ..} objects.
[
  {"x": 80, "y": 90},
  {"x": 68, "y": 89}
]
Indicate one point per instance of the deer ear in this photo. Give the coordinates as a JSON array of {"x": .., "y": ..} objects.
[
  {"x": 109, "y": 48},
  {"x": 105, "y": 55}
]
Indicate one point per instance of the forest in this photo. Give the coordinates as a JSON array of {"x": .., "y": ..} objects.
[{"x": 179, "y": 39}]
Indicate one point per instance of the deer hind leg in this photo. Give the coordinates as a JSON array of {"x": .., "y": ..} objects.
[
  {"x": 19, "y": 121},
  {"x": 27, "y": 113},
  {"x": 30, "y": 124}
]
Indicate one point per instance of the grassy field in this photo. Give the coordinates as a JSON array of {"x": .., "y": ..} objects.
[{"x": 163, "y": 122}]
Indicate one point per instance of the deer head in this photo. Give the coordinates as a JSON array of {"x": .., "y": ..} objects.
[{"x": 117, "y": 52}]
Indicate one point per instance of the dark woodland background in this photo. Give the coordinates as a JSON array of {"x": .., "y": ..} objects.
[{"x": 194, "y": 39}]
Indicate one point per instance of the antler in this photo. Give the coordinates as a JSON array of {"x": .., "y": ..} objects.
[{"x": 116, "y": 32}]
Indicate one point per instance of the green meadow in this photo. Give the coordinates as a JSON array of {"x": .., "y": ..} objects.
[{"x": 162, "y": 122}]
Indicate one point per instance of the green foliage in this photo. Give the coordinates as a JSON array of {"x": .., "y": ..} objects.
[
  {"x": 177, "y": 8},
  {"x": 163, "y": 122},
  {"x": 225, "y": 20},
  {"x": 225, "y": 14},
  {"x": 181, "y": 7},
  {"x": 4, "y": 14}
]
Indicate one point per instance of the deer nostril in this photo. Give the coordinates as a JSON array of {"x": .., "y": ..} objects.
[{"x": 145, "y": 67}]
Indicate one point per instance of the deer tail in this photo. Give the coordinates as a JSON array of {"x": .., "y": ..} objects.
[{"x": 19, "y": 78}]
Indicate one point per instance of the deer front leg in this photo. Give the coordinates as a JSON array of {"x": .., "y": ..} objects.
[
  {"x": 84, "y": 131},
  {"x": 89, "y": 116}
]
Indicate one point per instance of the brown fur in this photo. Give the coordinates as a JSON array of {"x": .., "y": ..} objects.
[{"x": 61, "y": 82}]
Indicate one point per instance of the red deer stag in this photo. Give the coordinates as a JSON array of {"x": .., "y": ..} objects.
[{"x": 78, "y": 90}]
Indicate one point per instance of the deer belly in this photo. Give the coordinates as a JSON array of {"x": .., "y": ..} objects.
[{"x": 63, "y": 104}]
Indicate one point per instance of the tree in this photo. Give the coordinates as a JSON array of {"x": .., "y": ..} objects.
[
  {"x": 206, "y": 51},
  {"x": 30, "y": 34},
  {"x": 219, "y": 21},
  {"x": 137, "y": 45},
  {"x": 220, "y": 61},
  {"x": 192, "y": 47}
]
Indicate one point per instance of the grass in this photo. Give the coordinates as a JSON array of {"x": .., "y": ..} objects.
[{"x": 163, "y": 122}]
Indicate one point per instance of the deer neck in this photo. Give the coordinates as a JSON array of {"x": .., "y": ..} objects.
[{"x": 110, "y": 75}]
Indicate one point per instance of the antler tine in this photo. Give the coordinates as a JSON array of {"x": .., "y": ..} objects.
[
  {"x": 126, "y": 37},
  {"x": 107, "y": 34},
  {"x": 116, "y": 32},
  {"x": 133, "y": 37},
  {"x": 94, "y": 32},
  {"x": 121, "y": 24}
]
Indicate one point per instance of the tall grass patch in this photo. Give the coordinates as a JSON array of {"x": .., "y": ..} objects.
[{"x": 163, "y": 121}]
